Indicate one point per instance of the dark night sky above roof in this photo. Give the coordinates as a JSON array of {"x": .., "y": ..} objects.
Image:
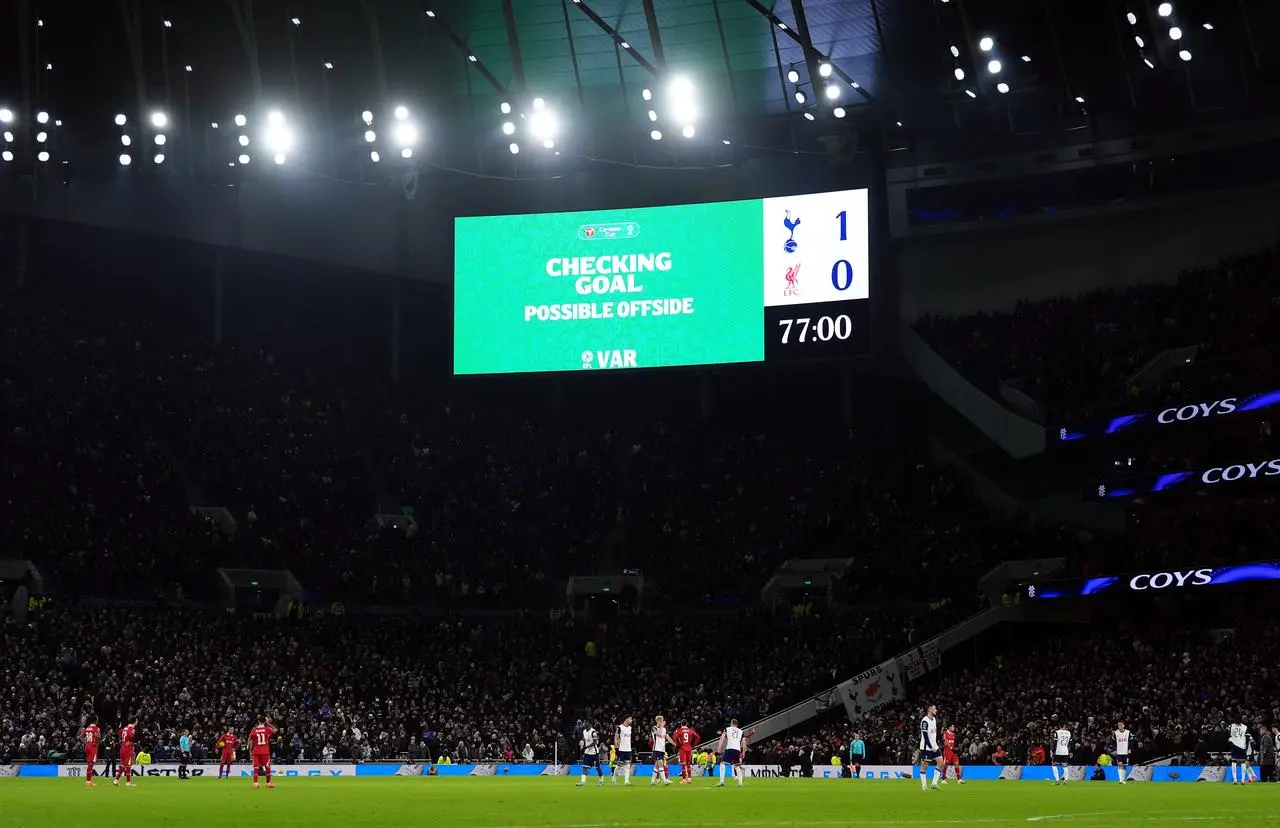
[{"x": 1078, "y": 47}]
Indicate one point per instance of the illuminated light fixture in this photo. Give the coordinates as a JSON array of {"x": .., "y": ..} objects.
[
  {"x": 808, "y": 116},
  {"x": 549, "y": 144},
  {"x": 1002, "y": 88},
  {"x": 279, "y": 158},
  {"x": 121, "y": 120},
  {"x": 243, "y": 140},
  {"x": 159, "y": 120},
  {"x": 406, "y": 135},
  {"x": 125, "y": 159},
  {"x": 241, "y": 120},
  {"x": 986, "y": 44},
  {"x": 430, "y": 14},
  {"x": 955, "y": 51},
  {"x": 724, "y": 141},
  {"x": 1147, "y": 61},
  {"x": 374, "y": 156},
  {"x": 328, "y": 64},
  {"x": 279, "y": 138},
  {"x": 213, "y": 125},
  {"x": 6, "y": 116},
  {"x": 366, "y": 116},
  {"x": 1185, "y": 55},
  {"x": 401, "y": 113},
  {"x": 1138, "y": 40},
  {"x": 539, "y": 104},
  {"x": 370, "y": 136},
  {"x": 1175, "y": 33},
  {"x": 959, "y": 73},
  {"x": 793, "y": 76},
  {"x": 6, "y": 156},
  {"x": 168, "y": 24},
  {"x": 688, "y": 131},
  {"x": 43, "y": 156},
  {"x": 838, "y": 112},
  {"x": 782, "y": 26},
  {"x": 656, "y": 135},
  {"x": 833, "y": 92},
  {"x": 125, "y": 140},
  {"x": 160, "y": 139},
  {"x": 295, "y": 21},
  {"x": 188, "y": 67},
  {"x": 543, "y": 126},
  {"x": 994, "y": 67},
  {"x": 8, "y": 136},
  {"x": 647, "y": 93},
  {"x": 508, "y": 128},
  {"x": 970, "y": 93},
  {"x": 407, "y": 152},
  {"x": 471, "y": 58},
  {"x": 1208, "y": 27},
  {"x": 159, "y": 158},
  {"x": 505, "y": 108},
  {"x": 1132, "y": 18},
  {"x": 42, "y": 117},
  {"x": 1026, "y": 58},
  {"x": 243, "y": 159},
  {"x": 1164, "y": 9},
  {"x": 824, "y": 70},
  {"x": 514, "y": 148},
  {"x": 800, "y": 98},
  {"x": 1079, "y": 99},
  {"x": 624, "y": 44},
  {"x": 41, "y": 137},
  {"x": 855, "y": 85}
]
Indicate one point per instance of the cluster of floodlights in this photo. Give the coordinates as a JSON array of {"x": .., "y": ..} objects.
[
  {"x": 674, "y": 106},
  {"x": 832, "y": 90},
  {"x": 1168, "y": 20},
  {"x": 403, "y": 138},
  {"x": 990, "y": 59},
  {"x": 537, "y": 124},
  {"x": 44, "y": 125},
  {"x": 156, "y": 126}
]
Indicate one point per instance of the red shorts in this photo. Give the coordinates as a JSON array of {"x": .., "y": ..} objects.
[
  {"x": 686, "y": 756},
  {"x": 949, "y": 758},
  {"x": 261, "y": 760},
  {"x": 228, "y": 758},
  {"x": 126, "y": 757},
  {"x": 91, "y": 753}
]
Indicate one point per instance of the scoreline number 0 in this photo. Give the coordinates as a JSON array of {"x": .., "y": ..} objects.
[{"x": 842, "y": 270}]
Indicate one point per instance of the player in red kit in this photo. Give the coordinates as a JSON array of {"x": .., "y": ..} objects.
[
  {"x": 126, "y": 735},
  {"x": 950, "y": 759},
  {"x": 260, "y": 747},
  {"x": 228, "y": 741},
  {"x": 685, "y": 738},
  {"x": 92, "y": 737}
]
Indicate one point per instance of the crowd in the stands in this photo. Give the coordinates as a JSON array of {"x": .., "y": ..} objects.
[{"x": 1075, "y": 354}]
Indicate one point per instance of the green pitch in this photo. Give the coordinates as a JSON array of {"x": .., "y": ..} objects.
[{"x": 550, "y": 802}]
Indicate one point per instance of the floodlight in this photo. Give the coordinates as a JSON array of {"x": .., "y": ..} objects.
[
  {"x": 647, "y": 93},
  {"x": 833, "y": 92},
  {"x": 328, "y": 64},
  {"x": 160, "y": 139},
  {"x": 959, "y": 73},
  {"x": 994, "y": 67},
  {"x": 656, "y": 135},
  {"x": 159, "y": 120},
  {"x": 539, "y": 104},
  {"x": 125, "y": 141},
  {"x": 1079, "y": 99},
  {"x": 407, "y": 152},
  {"x": 1175, "y": 33},
  {"x": 688, "y": 131},
  {"x": 213, "y": 124},
  {"x": 279, "y": 139},
  {"x": 1147, "y": 61},
  {"x": 243, "y": 159},
  {"x": 515, "y": 149},
  {"x": 508, "y": 128},
  {"x": 1132, "y": 18},
  {"x": 955, "y": 50},
  {"x": 279, "y": 158},
  {"x": 42, "y": 117},
  {"x": 430, "y": 14},
  {"x": 168, "y": 24},
  {"x": 8, "y": 136},
  {"x": 543, "y": 126},
  {"x": 295, "y": 21},
  {"x": 472, "y": 58},
  {"x": 1185, "y": 55},
  {"x": 548, "y": 144},
  {"x": 970, "y": 93},
  {"x": 792, "y": 76},
  {"x": 653, "y": 116},
  {"x": 370, "y": 136},
  {"x": 275, "y": 119},
  {"x": 1208, "y": 27},
  {"x": 241, "y": 120},
  {"x": 374, "y": 156},
  {"x": 187, "y": 67},
  {"x": 125, "y": 159},
  {"x": 800, "y": 98},
  {"x": 41, "y": 137},
  {"x": 121, "y": 120},
  {"x": 824, "y": 69},
  {"x": 159, "y": 158},
  {"x": 808, "y": 116},
  {"x": 838, "y": 112},
  {"x": 624, "y": 44},
  {"x": 6, "y": 116},
  {"x": 1026, "y": 58},
  {"x": 1138, "y": 40},
  {"x": 243, "y": 140},
  {"x": 6, "y": 156},
  {"x": 401, "y": 113},
  {"x": 506, "y": 108},
  {"x": 1164, "y": 9},
  {"x": 366, "y": 116},
  {"x": 43, "y": 156},
  {"x": 1002, "y": 88},
  {"x": 986, "y": 44},
  {"x": 406, "y": 134}
]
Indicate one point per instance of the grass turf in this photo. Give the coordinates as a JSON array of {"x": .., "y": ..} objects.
[{"x": 556, "y": 803}]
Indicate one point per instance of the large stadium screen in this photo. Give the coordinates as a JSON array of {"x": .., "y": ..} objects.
[{"x": 694, "y": 284}]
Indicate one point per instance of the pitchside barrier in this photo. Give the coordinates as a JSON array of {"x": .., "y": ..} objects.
[{"x": 870, "y": 773}]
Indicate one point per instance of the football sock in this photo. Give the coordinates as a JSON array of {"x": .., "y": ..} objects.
[
  {"x": 924, "y": 777},
  {"x": 722, "y": 773}
]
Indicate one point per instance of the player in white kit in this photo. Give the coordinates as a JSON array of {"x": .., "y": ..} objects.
[
  {"x": 1122, "y": 739},
  {"x": 1238, "y": 737},
  {"x": 1061, "y": 755},
  {"x": 659, "y": 736},
  {"x": 590, "y": 754},
  {"x": 930, "y": 751},
  {"x": 732, "y": 745},
  {"x": 622, "y": 742}
]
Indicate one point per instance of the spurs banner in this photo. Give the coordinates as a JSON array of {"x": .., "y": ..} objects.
[{"x": 867, "y": 692}]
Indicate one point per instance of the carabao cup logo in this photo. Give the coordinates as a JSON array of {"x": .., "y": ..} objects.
[{"x": 791, "y": 224}]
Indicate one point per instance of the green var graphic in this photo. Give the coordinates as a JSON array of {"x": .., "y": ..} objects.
[{"x": 643, "y": 288}]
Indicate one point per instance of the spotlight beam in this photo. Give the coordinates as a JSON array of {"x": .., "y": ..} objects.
[
  {"x": 461, "y": 46},
  {"x": 617, "y": 38},
  {"x": 791, "y": 33}
]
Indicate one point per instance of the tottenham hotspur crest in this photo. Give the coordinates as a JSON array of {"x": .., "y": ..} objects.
[{"x": 791, "y": 224}]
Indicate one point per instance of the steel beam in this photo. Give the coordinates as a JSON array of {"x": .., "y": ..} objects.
[
  {"x": 655, "y": 34},
  {"x": 619, "y": 41},
  {"x": 468, "y": 55},
  {"x": 513, "y": 42}
]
